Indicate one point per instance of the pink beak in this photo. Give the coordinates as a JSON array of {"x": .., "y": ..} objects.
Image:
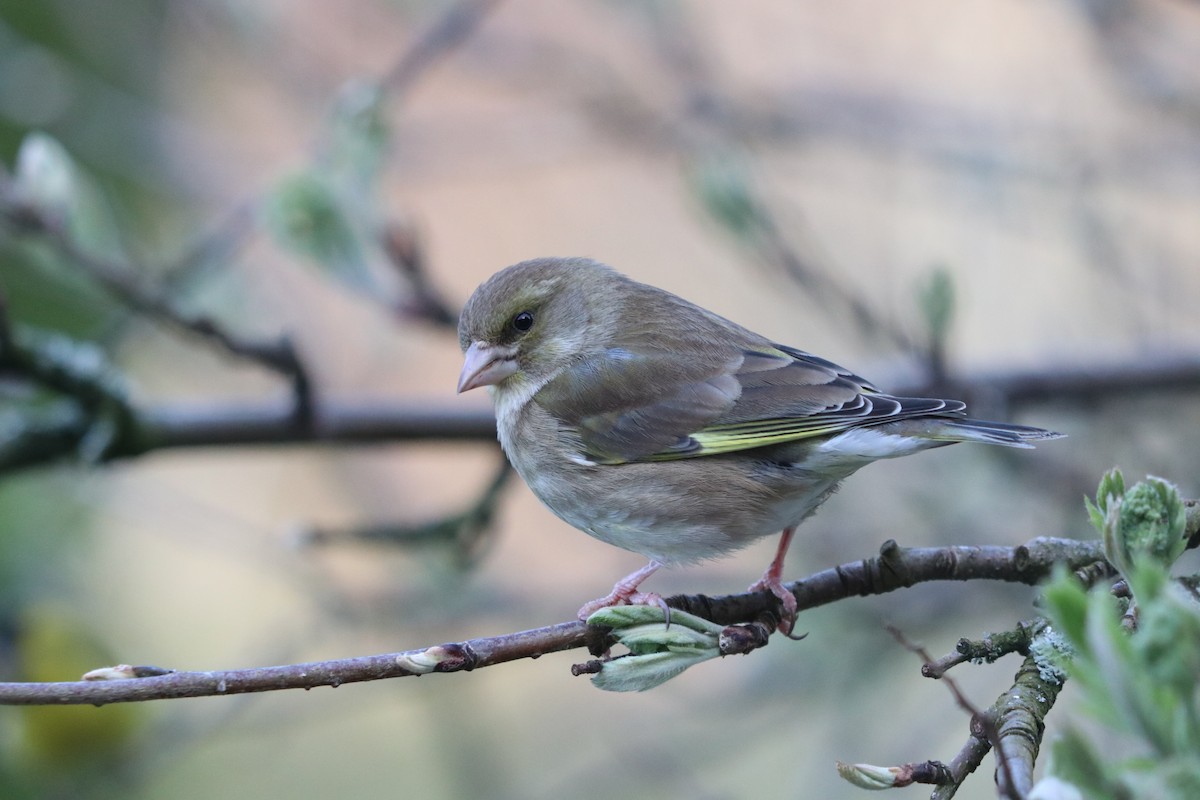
[{"x": 486, "y": 365}]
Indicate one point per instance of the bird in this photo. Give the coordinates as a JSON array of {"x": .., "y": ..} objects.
[{"x": 660, "y": 427}]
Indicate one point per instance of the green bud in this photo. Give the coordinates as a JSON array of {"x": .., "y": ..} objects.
[
  {"x": 59, "y": 192},
  {"x": 618, "y": 617},
  {"x": 1148, "y": 521},
  {"x": 869, "y": 776},
  {"x": 637, "y": 673},
  {"x": 1152, "y": 521},
  {"x": 657, "y": 652}
]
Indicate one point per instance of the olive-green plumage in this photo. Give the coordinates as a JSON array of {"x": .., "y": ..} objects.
[{"x": 660, "y": 427}]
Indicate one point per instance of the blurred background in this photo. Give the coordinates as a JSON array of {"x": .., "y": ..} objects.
[{"x": 994, "y": 198}]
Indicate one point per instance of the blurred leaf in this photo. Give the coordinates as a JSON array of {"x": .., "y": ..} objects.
[
  {"x": 358, "y": 139},
  {"x": 47, "y": 179},
  {"x": 306, "y": 216},
  {"x": 54, "y": 644},
  {"x": 1078, "y": 763},
  {"x": 1112, "y": 486},
  {"x": 1142, "y": 686},
  {"x": 936, "y": 301},
  {"x": 723, "y": 185}
]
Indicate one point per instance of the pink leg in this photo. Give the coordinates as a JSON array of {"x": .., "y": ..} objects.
[
  {"x": 772, "y": 580},
  {"x": 625, "y": 591}
]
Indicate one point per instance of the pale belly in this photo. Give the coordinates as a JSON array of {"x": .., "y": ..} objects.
[{"x": 671, "y": 511}]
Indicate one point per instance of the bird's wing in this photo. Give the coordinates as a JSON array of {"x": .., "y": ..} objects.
[
  {"x": 664, "y": 409},
  {"x": 626, "y": 404}
]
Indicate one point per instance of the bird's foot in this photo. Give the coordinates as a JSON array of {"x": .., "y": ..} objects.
[
  {"x": 772, "y": 583},
  {"x": 625, "y": 592},
  {"x": 772, "y": 580}
]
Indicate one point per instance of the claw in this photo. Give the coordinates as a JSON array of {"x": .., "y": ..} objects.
[
  {"x": 625, "y": 591},
  {"x": 772, "y": 580}
]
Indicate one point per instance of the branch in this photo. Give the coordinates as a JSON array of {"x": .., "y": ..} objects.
[
  {"x": 440, "y": 658},
  {"x": 894, "y": 568},
  {"x": 984, "y": 732},
  {"x": 45, "y": 439},
  {"x": 901, "y": 567},
  {"x": 126, "y": 284},
  {"x": 990, "y": 648},
  {"x": 1020, "y": 715},
  {"x": 467, "y": 530},
  {"x": 50, "y": 437}
]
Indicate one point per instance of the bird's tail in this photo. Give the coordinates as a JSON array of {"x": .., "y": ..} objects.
[{"x": 979, "y": 430}]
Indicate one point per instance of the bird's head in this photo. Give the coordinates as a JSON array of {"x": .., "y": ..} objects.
[{"x": 533, "y": 319}]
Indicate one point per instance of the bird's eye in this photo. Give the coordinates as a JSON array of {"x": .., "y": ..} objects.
[{"x": 523, "y": 321}]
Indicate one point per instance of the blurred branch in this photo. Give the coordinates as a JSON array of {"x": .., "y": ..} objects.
[
  {"x": 729, "y": 199},
  {"x": 359, "y": 422},
  {"x": 1150, "y": 47},
  {"x": 237, "y": 425},
  {"x": 708, "y": 131},
  {"x": 466, "y": 530},
  {"x": 894, "y": 568},
  {"x": 126, "y": 284},
  {"x": 451, "y": 29},
  {"x": 403, "y": 249}
]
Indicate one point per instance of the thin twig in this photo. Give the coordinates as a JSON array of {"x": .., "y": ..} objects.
[
  {"x": 919, "y": 565},
  {"x": 983, "y": 720},
  {"x": 988, "y": 649}
]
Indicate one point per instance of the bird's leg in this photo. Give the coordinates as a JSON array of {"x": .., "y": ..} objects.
[
  {"x": 772, "y": 580},
  {"x": 626, "y": 591}
]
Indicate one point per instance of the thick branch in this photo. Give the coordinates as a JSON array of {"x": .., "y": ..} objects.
[
  {"x": 899, "y": 568},
  {"x": 895, "y": 568},
  {"x": 1020, "y": 716}
]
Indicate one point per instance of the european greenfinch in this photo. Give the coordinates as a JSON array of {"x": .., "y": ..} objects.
[{"x": 662, "y": 428}]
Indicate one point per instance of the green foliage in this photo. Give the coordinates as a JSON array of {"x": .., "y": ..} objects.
[
  {"x": 306, "y": 216},
  {"x": 1144, "y": 524},
  {"x": 41, "y": 288},
  {"x": 1144, "y": 686},
  {"x": 329, "y": 213},
  {"x": 935, "y": 299},
  {"x": 723, "y": 186}
]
